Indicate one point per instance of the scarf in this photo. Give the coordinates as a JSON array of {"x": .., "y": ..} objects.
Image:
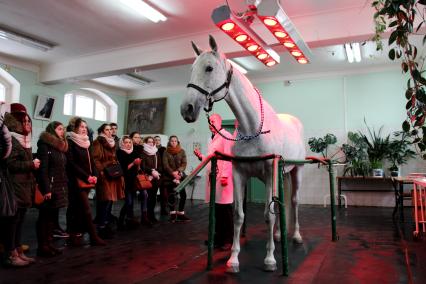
[
  {"x": 121, "y": 145},
  {"x": 110, "y": 141},
  {"x": 24, "y": 140},
  {"x": 149, "y": 150},
  {"x": 79, "y": 139},
  {"x": 174, "y": 150}
]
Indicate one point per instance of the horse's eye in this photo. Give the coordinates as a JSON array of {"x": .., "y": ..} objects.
[{"x": 209, "y": 69}]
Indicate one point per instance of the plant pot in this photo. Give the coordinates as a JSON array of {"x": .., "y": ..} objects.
[
  {"x": 394, "y": 173},
  {"x": 378, "y": 173}
]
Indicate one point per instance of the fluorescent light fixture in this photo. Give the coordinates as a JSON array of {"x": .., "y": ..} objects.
[
  {"x": 356, "y": 51},
  {"x": 136, "y": 79},
  {"x": 353, "y": 52},
  {"x": 145, "y": 10},
  {"x": 238, "y": 67},
  {"x": 25, "y": 40},
  {"x": 349, "y": 53}
]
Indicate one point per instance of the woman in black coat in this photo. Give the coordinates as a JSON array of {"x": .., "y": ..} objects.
[
  {"x": 80, "y": 166},
  {"x": 130, "y": 162},
  {"x": 51, "y": 150}
]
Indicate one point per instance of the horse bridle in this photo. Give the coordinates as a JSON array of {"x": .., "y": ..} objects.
[
  {"x": 210, "y": 95},
  {"x": 211, "y": 102}
]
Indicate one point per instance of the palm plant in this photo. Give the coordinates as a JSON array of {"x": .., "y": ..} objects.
[
  {"x": 356, "y": 155},
  {"x": 377, "y": 146}
]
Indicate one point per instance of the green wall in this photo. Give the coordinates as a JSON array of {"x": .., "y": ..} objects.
[{"x": 30, "y": 88}]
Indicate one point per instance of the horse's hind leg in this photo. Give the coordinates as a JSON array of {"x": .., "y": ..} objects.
[
  {"x": 232, "y": 264},
  {"x": 270, "y": 264},
  {"x": 296, "y": 181}
]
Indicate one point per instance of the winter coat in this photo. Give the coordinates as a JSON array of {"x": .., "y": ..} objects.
[
  {"x": 173, "y": 163},
  {"x": 20, "y": 166},
  {"x": 224, "y": 194},
  {"x": 80, "y": 164},
  {"x": 52, "y": 174},
  {"x": 107, "y": 189},
  {"x": 129, "y": 174},
  {"x": 151, "y": 162}
]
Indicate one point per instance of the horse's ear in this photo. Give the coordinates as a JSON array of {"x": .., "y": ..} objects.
[
  {"x": 213, "y": 44},
  {"x": 196, "y": 49}
]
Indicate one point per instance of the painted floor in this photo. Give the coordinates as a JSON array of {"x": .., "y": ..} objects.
[{"x": 371, "y": 249}]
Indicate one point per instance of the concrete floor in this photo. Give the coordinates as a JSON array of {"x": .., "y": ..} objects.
[{"x": 371, "y": 249}]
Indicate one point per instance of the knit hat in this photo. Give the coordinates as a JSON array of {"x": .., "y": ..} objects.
[{"x": 16, "y": 107}]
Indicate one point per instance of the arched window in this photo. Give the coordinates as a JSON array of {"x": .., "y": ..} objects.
[
  {"x": 9, "y": 87},
  {"x": 90, "y": 103}
]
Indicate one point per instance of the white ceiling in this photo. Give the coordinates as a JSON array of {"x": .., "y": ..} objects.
[{"x": 102, "y": 38}]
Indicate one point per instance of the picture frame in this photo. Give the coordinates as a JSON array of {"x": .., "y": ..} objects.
[
  {"x": 146, "y": 116},
  {"x": 44, "y": 107}
]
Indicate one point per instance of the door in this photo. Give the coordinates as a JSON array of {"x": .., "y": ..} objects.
[{"x": 255, "y": 188}]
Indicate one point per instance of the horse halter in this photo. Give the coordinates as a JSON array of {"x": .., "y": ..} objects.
[{"x": 209, "y": 96}]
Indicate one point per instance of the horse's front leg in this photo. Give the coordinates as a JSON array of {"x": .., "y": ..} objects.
[
  {"x": 232, "y": 264},
  {"x": 270, "y": 264}
]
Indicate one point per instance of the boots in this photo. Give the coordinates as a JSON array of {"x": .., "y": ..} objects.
[
  {"x": 23, "y": 256},
  {"x": 145, "y": 220}
]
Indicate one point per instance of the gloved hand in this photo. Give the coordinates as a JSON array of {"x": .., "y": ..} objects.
[
  {"x": 224, "y": 181},
  {"x": 155, "y": 174}
]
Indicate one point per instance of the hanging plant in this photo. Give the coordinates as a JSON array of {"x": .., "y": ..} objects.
[{"x": 398, "y": 17}]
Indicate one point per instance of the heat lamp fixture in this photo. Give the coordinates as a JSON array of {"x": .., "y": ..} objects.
[{"x": 273, "y": 17}]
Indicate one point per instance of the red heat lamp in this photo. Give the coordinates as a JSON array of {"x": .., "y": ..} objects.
[{"x": 275, "y": 20}]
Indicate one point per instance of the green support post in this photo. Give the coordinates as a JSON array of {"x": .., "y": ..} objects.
[
  {"x": 284, "y": 243},
  {"x": 332, "y": 201},
  {"x": 212, "y": 220}
]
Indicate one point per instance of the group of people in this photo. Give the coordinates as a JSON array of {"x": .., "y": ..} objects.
[{"x": 67, "y": 166}]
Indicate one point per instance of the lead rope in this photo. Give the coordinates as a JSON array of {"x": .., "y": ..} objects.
[{"x": 245, "y": 137}]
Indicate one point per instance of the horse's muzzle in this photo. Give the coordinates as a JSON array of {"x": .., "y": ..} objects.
[{"x": 188, "y": 113}]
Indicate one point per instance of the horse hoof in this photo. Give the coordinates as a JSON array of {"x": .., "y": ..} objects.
[
  {"x": 232, "y": 268},
  {"x": 270, "y": 267},
  {"x": 298, "y": 240}
]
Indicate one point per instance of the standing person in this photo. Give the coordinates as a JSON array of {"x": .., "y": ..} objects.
[
  {"x": 151, "y": 165},
  {"x": 163, "y": 189},
  {"x": 137, "y": 142},
  {"x": 114, "y": 129},
  {"x": 80, "y": 168},
  {"x": 108, "y": 189},
  {"x": 51, "y": 149},
  {"x": 224, "y": 227},
  {"x": 174, "y": 165},
  {"x": 21, "y": 165},
  {"x": 130, "y": 162}
]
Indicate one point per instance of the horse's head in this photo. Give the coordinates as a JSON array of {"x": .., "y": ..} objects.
[{"x": 210, "y": 78}]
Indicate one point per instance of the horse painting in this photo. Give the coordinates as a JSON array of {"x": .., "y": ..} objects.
[{"x": 261, "y": 132}]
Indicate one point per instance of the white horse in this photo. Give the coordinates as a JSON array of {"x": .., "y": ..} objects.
[{"x": 213, "y": 79}]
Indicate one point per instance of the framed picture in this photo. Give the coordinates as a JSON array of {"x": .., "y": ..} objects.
[
  {"x": 146, "y": 116},
  {"x": 44, "y": 107}
]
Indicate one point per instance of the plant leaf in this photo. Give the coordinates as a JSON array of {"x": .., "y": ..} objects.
[
  {"x": 392, "y": 54},
  {"x": 405, "y": 126}
]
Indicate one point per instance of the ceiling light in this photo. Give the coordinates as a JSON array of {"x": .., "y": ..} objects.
[
  {"x": 25, "y": 40},
  {"x": 283, "y": 29},
  {"x": 302, "y": 60},
  {"x": 271, "y": 63},
  {"x": 357, "y": 51},
  {"x": 136, "y": 79},
  {"x": 237, "y": 66},
  {"x": 349, "y": 53},
  {"x": 241, "y": 38},
  {"x": 145, "y": 10},
  {"x": 235, "y": 27}
]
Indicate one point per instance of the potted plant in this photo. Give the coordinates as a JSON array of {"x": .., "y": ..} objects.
[
  {"x": 321, "y": 145},
  {"x": 377, "y": 149},
  {"x": 399, "y": 152},
  {"x": 357, "y": 163}
]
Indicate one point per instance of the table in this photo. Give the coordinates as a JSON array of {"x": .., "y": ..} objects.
[
  {"x": 367, "y": 183},
  {"x": 398, "y": 185}
]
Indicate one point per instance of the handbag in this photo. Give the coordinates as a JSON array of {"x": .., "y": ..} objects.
[
  {"x": 114, "y": 171},
  {"x": 84, "y": 185},
  {"x": 81, "y": 183},
  {"x": 7, "y": 199},
  {"x": 143, "y": 182},
  {"x": 38, "y": 197}
]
